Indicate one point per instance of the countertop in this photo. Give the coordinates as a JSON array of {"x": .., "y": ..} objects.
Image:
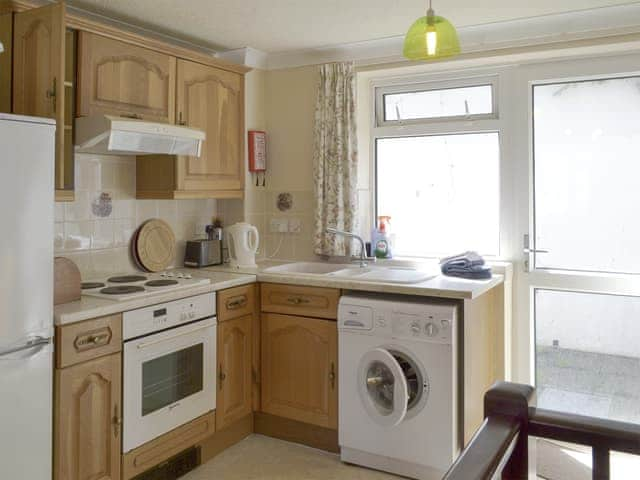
[
  {"x": 439, "y": 286},
  {"x": 92, "y": 307},
  {"x": 224, "y": 276}
]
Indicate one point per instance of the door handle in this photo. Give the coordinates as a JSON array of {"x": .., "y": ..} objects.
[
  {"x": 52, "y": 94},
  {"x": 222, "y": 376},
  {"x": 33, "y": 343},
  {"x": 332, "y": 376},
  {"x": 116, "y": 421}
]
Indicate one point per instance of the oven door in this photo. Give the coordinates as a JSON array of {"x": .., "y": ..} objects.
[{"x": 169, "y": 380}]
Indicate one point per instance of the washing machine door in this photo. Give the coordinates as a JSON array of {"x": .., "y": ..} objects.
[{"x": 383, "y": 387}]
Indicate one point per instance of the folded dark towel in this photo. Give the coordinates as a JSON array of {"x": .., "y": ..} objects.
[
  {"x": 475, "y": 272},
  {"x": 466, "y": 259}
]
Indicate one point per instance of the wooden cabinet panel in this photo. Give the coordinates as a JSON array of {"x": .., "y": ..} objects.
[
  {"x": 212, "y": 100},
  {"x": 236, "y": 302},
  {"x": 299, "y": 369},
  {"x": 300, "y": 300},
  {"x": 234, "y": 370},
  {"x": 6, "y": 63},
  {"x": 87, "y": 430},
  {"x": 39, "y": 74},
  {"x": 118, "y": 78}
]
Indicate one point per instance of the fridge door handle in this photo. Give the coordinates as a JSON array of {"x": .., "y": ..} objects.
[{"x": 35, "y": 342}]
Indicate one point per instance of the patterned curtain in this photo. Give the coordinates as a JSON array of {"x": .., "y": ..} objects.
[{"x": 335, "y": 158}]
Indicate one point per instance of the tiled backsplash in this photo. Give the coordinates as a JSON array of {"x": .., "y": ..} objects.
[{"x": 100, "y": 244}]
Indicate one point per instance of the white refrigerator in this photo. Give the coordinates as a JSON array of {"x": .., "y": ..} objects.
[{"x": 27, "y": 160}]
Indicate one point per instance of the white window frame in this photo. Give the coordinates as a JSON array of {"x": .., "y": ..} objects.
[{"x": 496, "y": 121}]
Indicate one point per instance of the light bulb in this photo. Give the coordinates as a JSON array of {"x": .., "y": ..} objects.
[{"x": 432, "y": 42}]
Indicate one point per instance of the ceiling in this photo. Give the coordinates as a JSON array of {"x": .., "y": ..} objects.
[{"x": 288, "y": 25}]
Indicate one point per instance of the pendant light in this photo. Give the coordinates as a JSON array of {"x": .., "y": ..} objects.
[{"x": 430, "y": 38}]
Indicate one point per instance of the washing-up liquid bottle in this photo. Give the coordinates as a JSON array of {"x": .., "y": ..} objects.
[{"x": 382, "y": 238}]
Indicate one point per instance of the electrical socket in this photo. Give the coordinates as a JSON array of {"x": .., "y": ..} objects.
[{"x": 278, "y": 225}]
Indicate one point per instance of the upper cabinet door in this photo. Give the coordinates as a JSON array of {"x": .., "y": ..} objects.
[
  {"x": 119, "y": 78},
  {"x": 212, "y": 100},
  {"x": 38, "y": 62}
]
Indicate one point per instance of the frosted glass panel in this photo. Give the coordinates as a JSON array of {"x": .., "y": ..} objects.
[
  {"x": 442, "y": 193},
  {"x": 588, "y": 354},
  {"x": 587, "y": 174},
  {"x": 449, "y": 102}
]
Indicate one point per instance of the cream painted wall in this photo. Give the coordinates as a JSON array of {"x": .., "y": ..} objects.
[{"x": 282, "y": 102}]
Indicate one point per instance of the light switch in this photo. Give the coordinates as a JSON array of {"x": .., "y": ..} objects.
[{"x": 278, "y": 225}]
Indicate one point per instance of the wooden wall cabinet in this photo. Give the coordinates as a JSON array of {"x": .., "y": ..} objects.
[
  {"x": 121, "y": 79},
  {"x": 233, "y": 400},
  {"x": 40, "y": 82},
  {"x": 300, "y": 369},
  {"x": 210, "y": 99},
  {"x": 88, "y": 420}
]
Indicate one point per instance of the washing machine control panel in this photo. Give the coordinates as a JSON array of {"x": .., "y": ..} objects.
[{"x": 431, "y": 328}]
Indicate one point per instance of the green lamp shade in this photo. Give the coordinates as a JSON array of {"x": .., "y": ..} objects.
[{"x": 431, "y": 39}]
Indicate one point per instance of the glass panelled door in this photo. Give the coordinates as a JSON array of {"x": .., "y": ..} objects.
[
  {"x": 586, "y": 179},
  {"x": 581, "y": 289}
]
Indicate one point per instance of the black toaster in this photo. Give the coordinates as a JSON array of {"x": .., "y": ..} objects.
[{"x": 203, "y": 253}]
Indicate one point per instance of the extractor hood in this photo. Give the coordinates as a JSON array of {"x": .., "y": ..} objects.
[{"x": 109, "y": 134}]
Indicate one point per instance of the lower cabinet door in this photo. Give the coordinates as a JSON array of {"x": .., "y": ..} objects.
[
  {"x": 235, "y": 346},
  {"x": 299, "y": 369},
  {"x": 88, "y": 413}
]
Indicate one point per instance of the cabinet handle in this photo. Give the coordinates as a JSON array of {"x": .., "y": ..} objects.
[
  {"x": 298, "y": 300},
  {"x": 180, "y": 121},
  {"x": 256, "y": 377},
  {"x": 235, "y": 303},
  {"x": 52, "y": 94},
  {"x": 222, "y": 376},
  {"x": 117, "y": 422},
  {"x": 332, "y": 376}
]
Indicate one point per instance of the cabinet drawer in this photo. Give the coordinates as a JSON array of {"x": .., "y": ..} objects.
[
  {"x": 295, "y": 300},
  {"x": 236, "y": 302},
  {"x": 157, "y": 451},
  {"x": 83, "y": 341}
]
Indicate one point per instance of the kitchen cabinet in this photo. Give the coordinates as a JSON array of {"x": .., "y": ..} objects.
[
  {"x": 87, "y": 400},
  {"x": 300, "y": 368},
  {"x": 233, "y": 400},
  {"x": 88, "y": 417},
  {"x": 210, "y": 99},
  {"x": 121, "y": 79},
  {"x": 40, "y": 83}
]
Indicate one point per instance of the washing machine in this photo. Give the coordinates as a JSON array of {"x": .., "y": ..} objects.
[{"x": 398, "y": 394}]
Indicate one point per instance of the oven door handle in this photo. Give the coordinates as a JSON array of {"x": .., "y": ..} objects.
[{"x": 142, "y": 345}]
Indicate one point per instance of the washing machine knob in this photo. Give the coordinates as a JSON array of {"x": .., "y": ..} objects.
[
  {"x": 431, "y": 329},
  {"x": 415, "y": 328}
]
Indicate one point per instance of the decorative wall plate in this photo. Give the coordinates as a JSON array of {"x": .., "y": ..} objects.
[{"x": 156, "y": 245}]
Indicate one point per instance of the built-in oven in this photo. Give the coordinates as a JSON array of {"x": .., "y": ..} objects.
[{"x": 169, "y": 367}]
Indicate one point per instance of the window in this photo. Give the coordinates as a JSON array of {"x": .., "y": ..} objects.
[
  {"x": 445, "y": 102},
  {"x": 437, "y": 167}
]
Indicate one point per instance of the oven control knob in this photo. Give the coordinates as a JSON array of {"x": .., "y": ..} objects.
[
  {"x": 180, "y": 275},
  {"x": 183, "y": 316},
  {"x": 192, "y": 314},
  {"x": 431, "y": 330},
  {"x": 187, "y": 275},
  {"x": 415, "y": 328}
]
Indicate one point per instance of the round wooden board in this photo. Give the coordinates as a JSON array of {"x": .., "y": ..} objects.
[{"x": 156, "y": 245}]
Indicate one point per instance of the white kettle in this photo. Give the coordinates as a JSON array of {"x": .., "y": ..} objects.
[{"x": 243, "y": 240}]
